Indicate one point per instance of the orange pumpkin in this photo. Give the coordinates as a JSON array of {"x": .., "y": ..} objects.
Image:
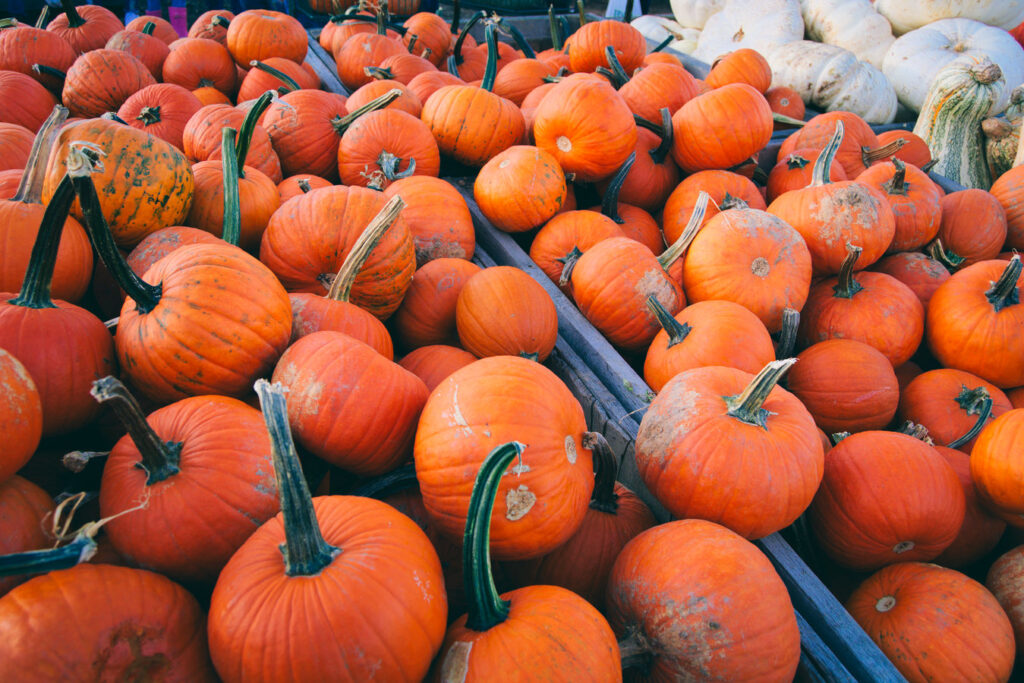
[
  {"x": 303, "y": 129},
  {"x": 1007, "y": 189},
  {"x": 996, "y": 470},
  {"x": 1005, "y": 578},
  {"x": 558, "y": 245},
  {"x": 162, "y": 110},
  {"x": 658, "y": 86},
  {"x": 22, "y": 47},
  {"x": 741, "y": 66},
  {"x": 143, "y": 45},
  {"x": 201, "y": 62},
  {"x": 26, "y": 102},
  {"x": 101, "y": 80},
  {"x": 212, "y": 24},
  {"x": 438, "y": 218},
  {"x": 785, "y": 101},
  {"x": 435, "y": 362},
  {"x": 795, "y": 172},
  {"x": 727, "y": 191},
  {"x": 520, "y": 188},
  {"x": 588, "y": 45},
  {"x": 21, "y": 416},
  {"x": 722, "y": 128},
  {"x": 427, "y": 313},
  {"x": 384, "y": 146},
  {"x": 300, "y": 184},
  {"x": 24, "y": 508},
  {"x": 85, "y": 28},
  {"x": 858, "y": 149},
  {"x": 914, "y": 150},
  {"x": 981, "y": 529},
  {"x": 201, "y": 140},
  {"x": 257, "y": 34},
  {"x": 973, "y": 228},
  {"x": 920, "y": 272}
]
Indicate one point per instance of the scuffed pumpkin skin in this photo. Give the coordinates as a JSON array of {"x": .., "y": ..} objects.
[
  {"x": 706, "y": 603},
  {"x": 143, "y": 183}
]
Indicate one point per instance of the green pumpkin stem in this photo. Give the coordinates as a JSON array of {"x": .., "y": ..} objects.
[
  {"x": 11, "y": 22},
  {"x": 787, "y": 335},
  {"x": 519, "y": 38},
  {"x": 930, "y": 165},
  {"x": 616, "y": 66},
  {"x": 748, "y": 405},
  {"x": 789, "y": 120},
  {"x": 1004, "y": 292},
  {"x": 795, "y": 161},
  {"x": 649, "y": 125},
  {"x": 50, "y": 71},
  {"x": 74, "y": 18},
  {"x": 341, "y": 123},
  {"x": 160, "y": 459},
  {"x": 149, "y": 28},
  {"x": 382, "y": 20},
  {"x": 556, "y": 35},
  {"x": 380, "y": 73},
  {"x": 30, "y": 189},
  {"x": 984, "y": 408},
  {"x": 81, "y": 164},
  {"x": 42, "y": 20},
  {"x": 822, "y": 171},
  {"x": 231, "y": 232},
  {"x": 397, "y": 480},
  {"x": 918, "y": 431},
  {"x": 112, "y": 116},
  {"x": 218, "y": 20},
  {"x": 491, "y": 68},
  {"x": 149, "y": 115},
  {"x": 389, "y": 163},
  {"x": 628, "y": 15},
  {"x": 568, "y": 263},
  {"x": 972, "y": 400},
  {"x": 606, "y": 470},
  {"x": 581, "y": 11},
  {"x": 847, "y": 286},
  {"x": 610, "y": 201},
  {"x": 305, "y": 551},
  {"x": 80, "y": 550},
  {"x": 951, "y": 261},
  {"x": 661, "y": 152},
  {"x": 35, "y": 288},
  {"x": 290, "y": 83},
  {"x": 456, "y": 57},
  {"x": 677, "y": 331},
  {"x": 456, "y": 16},
  {"x": 248, "y": 128},
  {"x": 304, "y": 185},
  {"x": 663, "y": 44},
  {"x": 341, "y": 287},
  {"x": 836, "y": 437},
  {"x": 897, "y": 185},
  {"x": 679, "y": 247},
  {"x": 486, "y": 608}
]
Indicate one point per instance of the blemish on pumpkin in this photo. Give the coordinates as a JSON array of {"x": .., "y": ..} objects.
[
  {"x": 885, "y": 604},
  {"x": 460, "y": 420},
  {"x": 517, "y": 469},
  {"x": 518, "y": 502},
  {"x": 903, "y": 546},
  {"x": 504, "y": 163},
  {"x": 570, "y": 450},
  {"x": 455, "y": 666},
  {"x": 563, "y": 143},
  {"x": 760, "y": 266}
]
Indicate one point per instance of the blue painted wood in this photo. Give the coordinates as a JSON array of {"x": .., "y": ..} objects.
[{"x": 323, "y": 64}]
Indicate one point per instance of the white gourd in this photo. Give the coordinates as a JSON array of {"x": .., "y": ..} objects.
[
  {"x": 907, "y": 15},
  {"x": 756, "y": 24},
  {"x": 695, "y": 13},
  {"x": 657, "y": 28},
  {"x": 853, "y": 25},
  {"x": 688, "y": 43},
  {"x": 831, "y": 78},
  {"x": 914, "y": 59},
  {"x": 950, "y": 122}
]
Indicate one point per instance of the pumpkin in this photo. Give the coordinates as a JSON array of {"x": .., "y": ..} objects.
[
  {"x": 158, "y": 244},
  {"x": 727, "y": 190},
  {"x": 435, "y": 362},
  {"x": 1007, "y": 190},
  {"x": 426, "y": 84},
  {"x": 752, "y": 258},
  {"x": 935, "y": 623},
  {"x": 427, "y": 313},
  {"x": 829, "y": 215},
  {"x": 914, "y": 150},
  {"x": 401, "y": 68},
  {"x": 858, "y": 149},
  {"x": 26, "y": 102},
  {"x": 973, "y": 228},
  {"x": 647, "y": 183},
  {"x": 363, "y": 50},
  {"x": 85, "y": 28},
  {"x": 209, "y": 95},
  {"x": 430, "y": 32},
  {"x": 914, "y": 200},
  {"x": 795, "y": 171},
  {"x": 711, "y": 606},
  {"x": 161, "y": 110},
  {"x": 15, "y": 145},
  {"x": 786, "y": 101},
  {"x": 483, "y": 405},
  {"x": 143, "y": 45},
  {"x": 520, "y": 188},
  {"x": 920, "y": 272},
  {"x": 438, "y": 218},
  {"x": 569, "y": 637},
  {"x": 148, "y": 625},
  {"x": 258, "y": 34},
  {"x": 162, "y": 29},
  {"x": 872, "y": 307},
  {"x": 308, "y": 238},
  {"x": 1004, "y": 580},
  {"x": 24, "y": 508},
  {"x": 908, "y": 16},
  {"x": 201, "y": 62},
  {"x": 375, "y": 148},
  {"x": 994, "y": 468},
  {"x": 212, "y": 24},
  {"x": 741, "y": 25},
  {"x": 300, "y": 184},
  {"x": 22, "y": 47},
  {"x": 515, "y": 81},
  {"x": 21, "y": 416},
  {"x": 634, "y": 222},
  {"x": 143, "y": 182},
  {"x": 854, "y": 25},
  {"x": 721, "y": 128},
  {"x": 502, "y": 311},
  {"x": 973, "y": 318},
  {"x": 319, "y": 564},
  {"x": 101, "y": 80},
  {"x": 846, "y": 385},
  {"x": 405, "y": 100},
  {"x": 274, "y": 73},
  {"x": 558, "y": 245},
  {"x": 742, "y": 66},
  {"x": 587, "y": 50},
  {"x": 303, "y": 126},
  {"x": 948, "y": 403},
  {"x": 924, "y": 503}
]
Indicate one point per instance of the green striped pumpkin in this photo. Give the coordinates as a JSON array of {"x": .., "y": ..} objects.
[{"x": 959, "y": 98}]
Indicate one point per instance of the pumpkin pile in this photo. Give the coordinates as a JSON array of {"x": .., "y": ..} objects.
[{"x": 245, "y": 312}]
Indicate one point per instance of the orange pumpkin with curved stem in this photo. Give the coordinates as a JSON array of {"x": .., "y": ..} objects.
[
  {"x": 520, "y": 188},
  {"x": 401, "y": 68},
  {"x": 85, "y": 28},
  {"x": 212, "y": 24},
  {"x": 145, "y": 47},
  {"x": 21, "y": 47},
  {"x": 634, "y": 222},
  {"x": 24, "y": 508},
  {"x": 752, "y": 258},
  {"x": 973, "y": 228},
  {"x": 101, "y": 80},
  {"x": 794, "y": 172},
  {"x": 162, "y": 110},
  {"x": 846, "y": 385},
  {"x": 586, "y": 126},
  {"x": 436, "y": 233},
  {"x": 309, "y": 237},
  {"x": 914, "y": 199},
  {"x": 587, "y": 49},
  {"x": 924, "y": 501},
  {"x": 914, "y": 150},
  {"x": 656, "y": 87},
  {"x": 21, "y": 416},
  {"x": 502, "y": 311},
  {"x": 435, "y": 362},
  {"x": 497, "y": 400},
  {"x": 313, "y": 313},
  {"x": 858, "y": 149},
  {"x": 741, "y": 66},
  {"x": 721, "y": 128},
  {"x": 558, "y": 245},
  {"x": 364, "y": 50},
  {"x": 200, "y": 62},
  {"x": 972, "y": 318},
  {"x": 427, "y": 313},
  {"x": 873, "y": 308},
  {"x": 274, "y": 73},
  {"x": 162, "y": 29},
  {"x": 704, "y": 334},
  {"x": 201, "y": 139},
  {"x": 303, "y": 130},
  {"x": 431, "y": 31},
  {"x": 712, "y": 585},
  {"x": 653, "y": 175},
  {"x": 920, "y": 272},
  {"x": 384, "y": 146},
  {"x": 920, "y": 614},
  {"x": 995, "y": 469},
  {"x": 727, "y": 191},
  {"x": 259, "y": 34},
  {"x": 702, "y": 414}
]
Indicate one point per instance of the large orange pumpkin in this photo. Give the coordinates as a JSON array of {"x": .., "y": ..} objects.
[
  {"x": 520, "y": 189},
  {"x": 973, "y": 228},
  {"x": 22, "y": 47},
  {"x": 259, "y": 34},
  {"x": 914, "y": 199},
  {"x": 438, "y": 218},
  {"x": 996, "y": 468},
  {"x": 722, "y": 128},
  {"x": 85, "y": 28},
  {"x": 101, "y": 80},
  {"x": 427, "y": 313}
]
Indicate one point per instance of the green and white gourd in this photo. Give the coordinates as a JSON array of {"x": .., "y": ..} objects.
[{"x": 1002, "y": 135}]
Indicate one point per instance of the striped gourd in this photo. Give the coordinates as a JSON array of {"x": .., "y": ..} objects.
[
  {"x": 959, "y": 98},
  {"x": 1003, "y": 134}
]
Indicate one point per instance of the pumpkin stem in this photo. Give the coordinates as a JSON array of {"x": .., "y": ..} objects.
[
  {"x": 846, "y": 286},
  {"x": 568, "y": 263},
  {"x": 677, "y": 332},
  {"x": 898, "y": 183},
  {"x": 606, "y": 470},
  {"x": 519, "y": 39},
  {"x": 530, "y": 355},
  {"x": 30, "y": 189},
  {"x": 160, "y": 459},
  {"x": 950, "y": 260},
  {"x": 486, "y": 608},
  {"x": 342, "y": 123},
  {"x": 787, "y": 335},
  {"x": 341, "y": 288},
  {"x": 634, "y": 652},
  {"x": 81, "y": 163},
  {"x": 456, "y": 57},
  {"x": 35, "y": 288},
  {"x": 730, "y": 202},
  {"x": 930, "y": 165},
  {"x": 918, "y": 431},
  {"x": 231, "y": 230},
  {"x": 378, "y": 72},
  {"x": 628, "y": 15},
  {"x": 74, "y": 18},
  {"x": 81, "y": 549},
  {"x": 822, "y": 171},
  {"x": 661, "y": 152},
  {"x": 747, "y": 406},
  {"x": 149, "y": 115},
  {"x": 41, "y": 21},
  {"x": 112, "y": 116},
  {"x": 76, "y": 461},
  {"x": 984, "y": 408},
  {"x": 397, "y": 480},
  {"x": 305, "y": 551},
  {"x": 556, "y": 35},
  {"x": 248, "y": 128},
  {"x": 149, "y": 28},
  {"x": 679, "y": 247},
  {"x": 11, "y": 22},
  {"x": 382, "y": 19},
  {"x": 789, "y": 120},
  {"x": 616, "y": 66},
  {"x": 218, "y": 20},
  {"x": 389, "y": 164},
  {"x": 836, "y": 437},
  {"x": 870, "y": 156},
  {"x": 491, "y": 68},
  {"x": 50, "y": 71},
  {"x": 456, "y": 15},
  {"x": 289, "y": 83},
  {"x": 610, "y": 202},
  {"x": 303, "y": 184},
  {"x": 972, "y": 400},
  {"x": 581, "y": 11},
  {"x": 1004, "y": 292},
  {"x": 663, "y": 44},
  {"x": 795, "y": 161}
]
